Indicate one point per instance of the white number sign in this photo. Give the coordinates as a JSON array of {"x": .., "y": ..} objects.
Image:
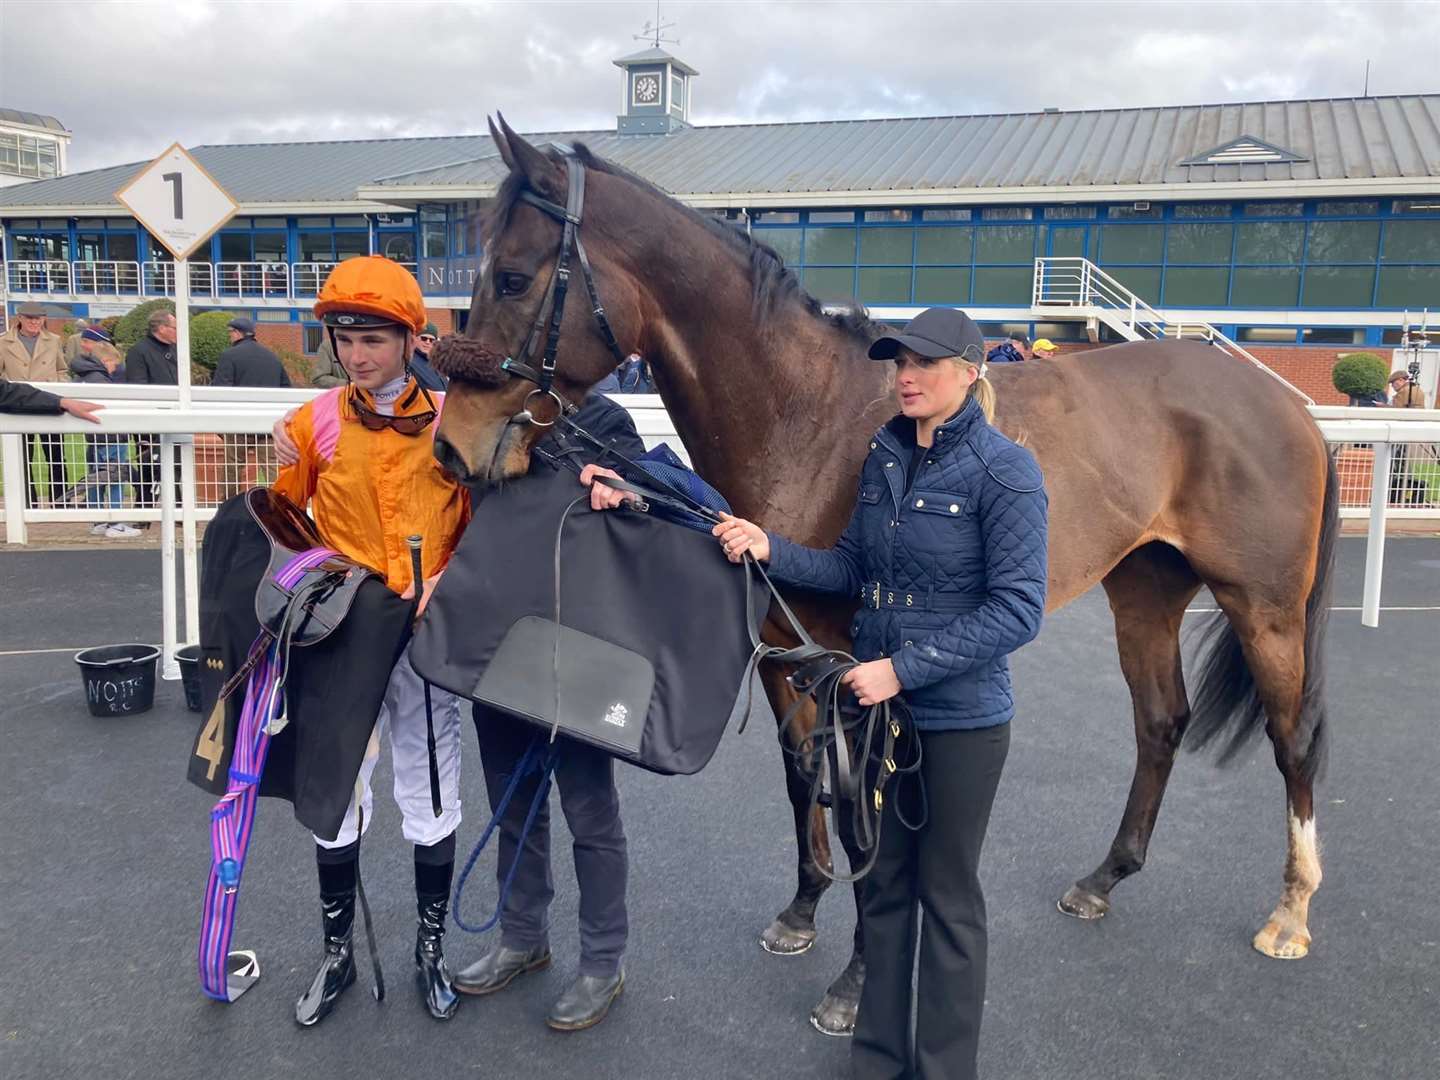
[{"x": 178, "y": 201}]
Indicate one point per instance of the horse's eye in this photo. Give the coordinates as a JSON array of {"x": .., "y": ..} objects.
[{"x": 509, "y": 283}]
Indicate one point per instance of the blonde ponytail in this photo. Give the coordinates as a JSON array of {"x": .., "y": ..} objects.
[{"x": 984, "y": 391}]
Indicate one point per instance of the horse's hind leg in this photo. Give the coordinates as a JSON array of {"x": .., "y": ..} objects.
[
  {"x": 1273, "y": 640},
  {"x": 793, "y": 930},
  {"x": 1148, "y": 593}
]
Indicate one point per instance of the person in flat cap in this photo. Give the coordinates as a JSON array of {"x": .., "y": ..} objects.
[
  {"x": 30, "y": 353},
  {"x": 20, "y": 346},
  {"x": 245, "y": 363},
  {"x": 946, "y": 548}
]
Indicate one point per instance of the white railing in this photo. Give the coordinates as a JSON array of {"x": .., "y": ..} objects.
[
  {"x": 107, "y": 278},
  {"x": 1079, "y": 287},
  {"x": 38, "y": 277}
]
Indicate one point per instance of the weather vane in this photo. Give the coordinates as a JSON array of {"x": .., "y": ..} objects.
[{"x": 654, "y": 32}]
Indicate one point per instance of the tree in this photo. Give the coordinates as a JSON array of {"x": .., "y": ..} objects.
[
  {"x": 1359, "y": 376},
  {"x": 133, "y": 325},
  {"x": 209, "y": 337}
]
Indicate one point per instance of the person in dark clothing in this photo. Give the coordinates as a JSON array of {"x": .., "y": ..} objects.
[
  {"x": 950, "y": 529},
  {"x": 247, "y": 362},
  {"x": 151, "y": 361},
  {"x": 20, "y": 398},
  {"x": 420, "y": 365},
  {"x": 1012, "y": 350},
  {"x": 586, "y": 779},
  {"x": 98, "y": 361}
]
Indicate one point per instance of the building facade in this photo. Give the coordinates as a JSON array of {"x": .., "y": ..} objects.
[
  {"x": 1301, "y": 229},
  {"x": 32, "y": 147}
]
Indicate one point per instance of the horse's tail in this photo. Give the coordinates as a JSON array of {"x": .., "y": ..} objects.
[{"x": 1226, "y": 709}]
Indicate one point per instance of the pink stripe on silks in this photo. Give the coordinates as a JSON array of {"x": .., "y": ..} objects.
[{"x": 325, "y": 416}]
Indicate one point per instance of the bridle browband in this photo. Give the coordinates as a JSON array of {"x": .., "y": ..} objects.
[{"x": 548, "y": 323}]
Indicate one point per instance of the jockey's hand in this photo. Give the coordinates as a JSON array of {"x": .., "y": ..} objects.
[
  {"x": 602, "y": 496},
  {"x": 82, "y": 410},
  {"x": 873, "y": 683},
  {"x": 425, "y": 592},
  {"x": 286, "y": 452},
  {"x": 738, "y": 536}
]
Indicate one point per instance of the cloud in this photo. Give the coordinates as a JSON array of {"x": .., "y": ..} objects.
[{"x": 129, "y": 78}]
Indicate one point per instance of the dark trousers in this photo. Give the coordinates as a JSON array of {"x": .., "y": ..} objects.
[
  {"x": 52, "y": 468},
  {"x": 935, "y": 872},
  {"x": 586, "y": 779},
  {"x": 147, "y": 456}
]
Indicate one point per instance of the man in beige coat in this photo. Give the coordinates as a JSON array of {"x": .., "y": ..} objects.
[{"x": 30, "y": 353}]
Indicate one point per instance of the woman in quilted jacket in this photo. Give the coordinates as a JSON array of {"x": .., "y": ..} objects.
[{"x": 946, "y": 548}]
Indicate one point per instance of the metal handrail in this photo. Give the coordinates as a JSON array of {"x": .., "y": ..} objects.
[{"x": 38, "y": 275}]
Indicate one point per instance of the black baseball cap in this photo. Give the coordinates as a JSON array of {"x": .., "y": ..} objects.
[
  {"x": 241, "y": 323},
  {"x": 934, "y": 333}
]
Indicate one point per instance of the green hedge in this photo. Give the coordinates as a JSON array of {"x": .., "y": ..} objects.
[
  {"x": 132, "y": 325},
  {"x": 1359, "y": 375}
]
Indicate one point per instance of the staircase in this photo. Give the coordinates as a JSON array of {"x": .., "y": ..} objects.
[{"x": 1077, "y": 288}]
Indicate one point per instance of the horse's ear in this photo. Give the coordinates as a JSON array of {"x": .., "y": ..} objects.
[
  {"x": 541, "y": 174},
  {"x": 502, "y": 144}
]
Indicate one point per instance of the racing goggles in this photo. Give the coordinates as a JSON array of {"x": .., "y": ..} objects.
[{"x": 410, "y": 424}]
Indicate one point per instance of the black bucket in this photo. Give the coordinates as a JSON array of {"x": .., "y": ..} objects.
[
  {"x": 119, "y": 679},
  {"x": 189, "y": 660}
]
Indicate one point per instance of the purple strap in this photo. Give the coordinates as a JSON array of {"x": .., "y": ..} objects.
[{"x": 233, "y": 818}]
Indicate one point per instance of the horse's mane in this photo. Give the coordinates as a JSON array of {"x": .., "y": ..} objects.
[{"x": 772, "y": 282}]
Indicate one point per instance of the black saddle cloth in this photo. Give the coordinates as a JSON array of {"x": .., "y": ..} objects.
[
  {"x": 335, "y": 686},
  {"x": 653, "y": 588}
]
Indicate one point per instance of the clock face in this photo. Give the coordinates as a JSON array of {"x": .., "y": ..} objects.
[{"x": 647, "y": 89}]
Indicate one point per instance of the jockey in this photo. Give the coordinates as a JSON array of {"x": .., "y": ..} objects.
[{"x": 366, "y": 469}]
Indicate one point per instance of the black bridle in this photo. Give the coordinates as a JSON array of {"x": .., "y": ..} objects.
[{"x": 548, "y": 323}]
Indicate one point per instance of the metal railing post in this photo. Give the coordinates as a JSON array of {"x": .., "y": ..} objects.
[
  {"x": 1375, "y": 539},
  {"x": 169, "y": 666},
  {"x": 190, "y": 554},
  {"x": 12, "y": 447}
]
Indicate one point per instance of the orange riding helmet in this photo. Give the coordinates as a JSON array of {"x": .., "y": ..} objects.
[{"x": 371, "y": 290}]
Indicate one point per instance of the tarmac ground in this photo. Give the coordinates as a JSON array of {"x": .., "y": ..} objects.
[{"x": 104, "y": 850}]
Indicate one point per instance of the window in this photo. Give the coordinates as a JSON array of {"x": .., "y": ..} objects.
[
  {"x": 26, "y": 155},
  {"x": 942, "y": 285},
  {"x": 1267, "y": 335},
  {"x": 947, "y": 245},
  {"x": 1333, "y": 335},
  {"x": 1343, "y": 242},
  {"x": 1005, "y": 244},
  {"x": 1412, "y": 241},
  {"x": 945, "y": 215},
  {"x": 432, "y": 233},
  {"x": 1269, "y": 242},
  {"x": 1338, "y": 286},
  {"x": 1413, "y": 287},
  {"x": 831, "y": 217},
  {"x": 1003, "y": 284},
  {"x": 1198, "y": 243},
  {"x": 1185, "y": 211},
  {"x": 312, "y": 334},
  {"x": 1415, "y": 206},
  {"x": 1143, "y": 281},
  {"x": 1069, "y": 213},
  {"x": 888, "y": 245},
  {"x": 1265, "y": 287},
  {"x": 1271, "y": 209},
  {"x": 775, "y": 217},
  {"x": 677, "y": 93},
  {"x": 1007, "y": 213},
  {"x": 1196, "y": 286},
  {"x": 885, "y": 284},
  {"x": 271, "y": 315},
  {"x": 887, "y": 215},
  {"x": 785, "y": 242},
  {"x": 830, "y": 282},
  {"x": 1132, "y": 212},
  {"x": 1347, "y": 209},
  {"x": 1131, "y": 243},
  {"x": 829, "y": 246}
]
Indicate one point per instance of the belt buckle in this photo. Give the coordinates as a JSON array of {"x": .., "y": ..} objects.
[{"x": 875, "y": 596}]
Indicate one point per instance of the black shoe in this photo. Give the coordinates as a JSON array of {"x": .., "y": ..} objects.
[
  {"x": 337, "y": 970},
  {"x": 432, "y": 975},
  {"x": 586, "y": 1002},
  {"x": 500, "y": 967}
]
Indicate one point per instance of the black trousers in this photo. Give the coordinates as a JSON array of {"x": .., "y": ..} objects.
[
  {"x": 933, "y": 871},
  {"x": 52, "y": 453},
  {"x": 586, "y": 779}
]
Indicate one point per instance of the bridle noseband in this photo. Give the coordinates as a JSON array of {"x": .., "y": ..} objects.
[{"x": 569, "y": 216}]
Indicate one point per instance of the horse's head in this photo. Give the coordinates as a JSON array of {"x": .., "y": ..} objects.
[{"x": 494, "y": 413}]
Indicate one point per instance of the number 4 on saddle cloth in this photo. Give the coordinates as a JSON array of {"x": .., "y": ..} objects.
[{"x": 293, "y": 724}]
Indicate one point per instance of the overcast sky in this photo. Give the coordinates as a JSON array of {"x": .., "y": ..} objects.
[{"x": 128, "y": 78}]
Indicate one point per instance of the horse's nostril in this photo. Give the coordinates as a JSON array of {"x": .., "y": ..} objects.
[{"x": 451, "y": 461}]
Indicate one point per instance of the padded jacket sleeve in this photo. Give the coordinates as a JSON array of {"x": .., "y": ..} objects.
[
  {"x": 1014, "y": 525},
  {"x": 21, "y": 398},
  {"x": 833, "y": 570}
]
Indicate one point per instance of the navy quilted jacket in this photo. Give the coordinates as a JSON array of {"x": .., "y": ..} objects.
[{"x": 951, "y": 573}]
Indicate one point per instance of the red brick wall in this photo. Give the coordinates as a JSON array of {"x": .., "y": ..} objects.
[{"x": 1305, "y": 366}]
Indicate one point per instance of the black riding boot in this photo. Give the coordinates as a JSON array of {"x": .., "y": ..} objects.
[
  {"x": 337, "y": 906},
  {"x": 434, "y": 868}
]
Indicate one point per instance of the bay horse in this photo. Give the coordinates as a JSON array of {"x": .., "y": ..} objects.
[{"x": 1170, "y": 466}]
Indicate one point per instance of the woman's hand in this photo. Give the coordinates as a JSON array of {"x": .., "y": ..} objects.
[
  {"x": 602, "y": 496},
  {"x": 873, "y": 683},
  {"x": 425, "y": 592},
  {"x": 737, "y": 536},
  {"x": 286, "y": 452}
]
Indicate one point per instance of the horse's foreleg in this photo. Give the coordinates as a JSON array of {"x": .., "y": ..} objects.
[
  {"x": 835, "y": 1015},
  {"x": 1286, "y": 935},
  {"x": 793, "y": 931},
  {"x": 1148, "y": 592}
]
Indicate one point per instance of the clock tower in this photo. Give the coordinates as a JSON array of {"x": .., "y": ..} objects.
[{"x": 656, "y": 93}]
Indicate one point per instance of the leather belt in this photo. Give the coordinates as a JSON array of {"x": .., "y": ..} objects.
[{"x": 876, "y": 596}]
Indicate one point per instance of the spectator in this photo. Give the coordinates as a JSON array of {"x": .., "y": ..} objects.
[
  {"x": 631, "y": 377},
  {"x": 19, "y": 398},
  {"x": 1403, "y": 392},
  {"x": 247, "y": 362},
  {"x": 1044, "y": 349},
  {"x": 1011, "y": 351},
  {"x": 105, "y": 455},
  {"x": 75, "y": 344},
  {"x": 420, "y": 367},
  {"x": 31, "y": 353},
  {"x": 151, "y": 362},
  {"x": 328, "y": 370}
]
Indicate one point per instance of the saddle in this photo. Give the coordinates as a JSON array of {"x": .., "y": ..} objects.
[{"x": 328, "y": 588}]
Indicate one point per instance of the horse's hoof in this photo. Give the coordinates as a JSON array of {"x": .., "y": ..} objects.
[
  {"x": 782, "y": 940},
  {"x": 1083, "y": 904},
  {"x": 835, "y": 1016},
  {"x": 1280, "y": 942}
]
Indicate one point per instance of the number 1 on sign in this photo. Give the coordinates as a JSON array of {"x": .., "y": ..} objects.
[{"x": 175, "y": 178}]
